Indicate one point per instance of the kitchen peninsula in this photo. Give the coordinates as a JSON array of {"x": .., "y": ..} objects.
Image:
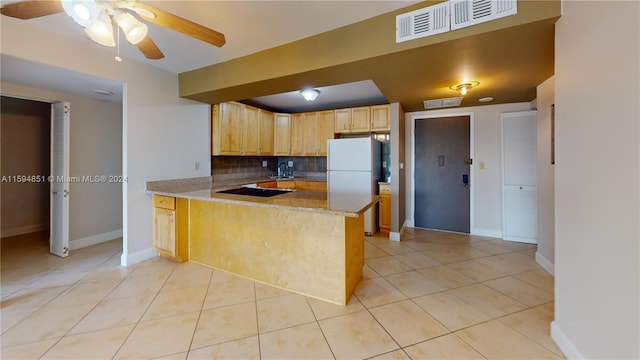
[{"x": 308, "y": 242}]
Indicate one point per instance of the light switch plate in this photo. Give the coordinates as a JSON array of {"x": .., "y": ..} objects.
[{"x": 264, "y": 163}]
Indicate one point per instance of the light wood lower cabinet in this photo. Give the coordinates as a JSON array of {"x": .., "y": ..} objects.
[
  {"x": 170, "y": 227},
  {"x": 385, "y": 208},
  {"x": 311, "y": 185}
]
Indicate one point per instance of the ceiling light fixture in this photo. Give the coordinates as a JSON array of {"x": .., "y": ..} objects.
[
  {"x": 486, "y": 99},
  {"x": 134, "y": 30},
  {"x": 463, "y": 88},
  {"x": 81, "y": 11},
  {"x": 310, "y": 94},
  {"x": 101, "y": 30}
]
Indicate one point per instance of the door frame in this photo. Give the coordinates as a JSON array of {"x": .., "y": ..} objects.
[{"x": 412, "y": 144}]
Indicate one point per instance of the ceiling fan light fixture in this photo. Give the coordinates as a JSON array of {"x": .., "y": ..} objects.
[
  {"x": 134, "y": 30},
  {"x": 310, "y": 94},
  {"x": 101, "y": 31},
  {"x": 83, "y": 12}
]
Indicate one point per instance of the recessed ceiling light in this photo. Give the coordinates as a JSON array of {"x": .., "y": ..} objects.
[
  {"x": 486, "y": 99},
  {"x": 103, "y": 92}
]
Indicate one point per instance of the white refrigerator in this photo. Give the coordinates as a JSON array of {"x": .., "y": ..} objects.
[{"x": 354, "y": 166}]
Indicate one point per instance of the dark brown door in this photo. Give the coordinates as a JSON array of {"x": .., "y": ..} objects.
[{"x": 442, "y": 196}]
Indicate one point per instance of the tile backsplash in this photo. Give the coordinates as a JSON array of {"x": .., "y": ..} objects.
[{"x": 239, "y": 167}]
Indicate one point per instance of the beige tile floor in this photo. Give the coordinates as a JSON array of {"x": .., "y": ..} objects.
[{"x": 432, "y": 295}]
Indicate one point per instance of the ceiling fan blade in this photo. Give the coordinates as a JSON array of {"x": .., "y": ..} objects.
[
  {"x": 149, "y": 49},
  {"x": 31, "y": 9},
  {"x": 182, "y": 25}
]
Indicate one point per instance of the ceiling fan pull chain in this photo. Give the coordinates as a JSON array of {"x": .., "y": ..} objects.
[{"x": 118, "y": 58}]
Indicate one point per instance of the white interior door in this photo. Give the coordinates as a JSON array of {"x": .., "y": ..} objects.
[
  {"x": 519, "y": 193},
  {"x": 59, "y": 180}
]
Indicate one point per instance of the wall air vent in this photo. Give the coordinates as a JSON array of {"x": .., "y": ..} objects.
[
  {"x": 471, "y": 12},
  {"x": 442, "y": 103},
  {"x": 422, "y": 22},
  {"x": 450, "y": 15}
]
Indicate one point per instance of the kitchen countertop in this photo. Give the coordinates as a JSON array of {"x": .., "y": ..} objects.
[{"x": 343, "y": 204}]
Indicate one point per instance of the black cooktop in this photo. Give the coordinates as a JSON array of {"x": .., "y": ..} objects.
[{"x": 254, "y": 191}]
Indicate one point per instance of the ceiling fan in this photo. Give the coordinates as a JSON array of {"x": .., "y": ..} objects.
[{"x": 98, "y": 18}]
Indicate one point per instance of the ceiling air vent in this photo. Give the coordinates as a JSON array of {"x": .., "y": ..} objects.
[
  {"x": 442, "y": 103},
  {"x": 422, "y": 22},
  {"x": 471, "y": 12}
]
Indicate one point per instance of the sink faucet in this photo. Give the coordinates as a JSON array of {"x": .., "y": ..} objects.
[{"x": 282, "y": 169}]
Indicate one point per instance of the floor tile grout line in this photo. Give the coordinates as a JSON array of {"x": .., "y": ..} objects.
[
  {"x": 69, "y": 286},
  {"x": 135, "y": 325},
  {"x": 204, "y": 300},
  {"x": 60, "y": 294},
  {"x": 324, "y": 336}
]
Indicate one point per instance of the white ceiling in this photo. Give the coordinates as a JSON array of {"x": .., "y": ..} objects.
[{"x": 249, "y": 27}]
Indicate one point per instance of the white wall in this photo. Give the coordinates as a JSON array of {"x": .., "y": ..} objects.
[
  {"x": 597, "y": 182},
  {"x": 95, "y": 209},
  {"x": 163, "y": 135},
  {"x": 545, "y": 171},
  {"x": 487, "y": 183}
]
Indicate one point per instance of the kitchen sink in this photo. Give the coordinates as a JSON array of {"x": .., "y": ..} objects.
[{"x": 254, "y": 191}]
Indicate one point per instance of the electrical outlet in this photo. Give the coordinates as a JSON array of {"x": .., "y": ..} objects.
[
  {"x": 290, "y": 163},
  {"x": 264, "y": 163},
  {"x": 197, "y": 165}
]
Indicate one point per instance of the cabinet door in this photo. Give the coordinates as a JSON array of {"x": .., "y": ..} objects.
[
  {"x": 251, "y": 131},
  {"x": 228, "y": 132},
  {"x": 297, "y": 134},
  {"x": 342, "y": 121},
  {"x": 266, "y": 132},
  {"x": 282, "y": 137},
  {"x": 325, "y": 130},
  {"x": 164, "y": 231},
  {"x": 361, "y": 119},
  {"x": 385, "y": 213},
  {"x": 310, "y": 134},
  {"x": 381, "y": 118}
]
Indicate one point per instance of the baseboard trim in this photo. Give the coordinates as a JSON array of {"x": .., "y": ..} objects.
[
  {"x": 546, "y": 264},
  {"x": 563, "y": 342},
  {"x": 94, "y": 239},
  {"x": 24, "y": 230},
  {"x": 487, "y": 233},
  {"x": 139, "y": 256},
  {"x": 395, "y": 236}
]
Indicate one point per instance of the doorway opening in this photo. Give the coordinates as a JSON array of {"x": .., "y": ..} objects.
[{"x": 25, "y": 164}]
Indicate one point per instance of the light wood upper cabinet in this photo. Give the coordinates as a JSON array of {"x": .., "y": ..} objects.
[
  {"x": 238, "y": 129},
  {"x": 353, "y": 120},
  {"x": 342, "y": 120},
  {"x": 297, "y": 135},
  {"x": 310, "y": 134},
  {"x": 226, "y": 129},
  {"x": 381, "y": 118},
  {"x": 282, "y": 134},
  {"x": 266, "y": 132},
  {"x": 251, "y": 131},
  {"x": 361, "y": 119},
  {"x": 325, "y": 131}
]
